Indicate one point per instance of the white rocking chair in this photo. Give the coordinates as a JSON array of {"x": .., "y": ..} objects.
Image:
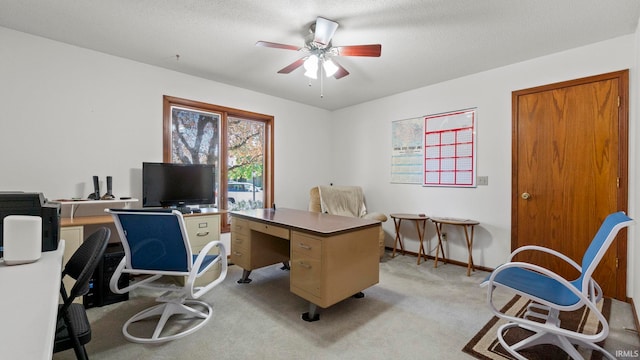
[
  {"x": 551, "y": 294},
  {"x": 156, "y": 245}
]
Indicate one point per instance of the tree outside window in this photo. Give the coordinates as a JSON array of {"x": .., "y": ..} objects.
[
  {"x": 199, "y": 133},
  {"x": 245, "y": 166}
]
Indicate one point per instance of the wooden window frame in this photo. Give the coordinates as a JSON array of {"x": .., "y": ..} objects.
[{"x": 225, "y": 113}]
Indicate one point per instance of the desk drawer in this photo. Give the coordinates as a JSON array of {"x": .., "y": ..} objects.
[
  {"x": 306, "y": 246},
  {"x": 270, "y": 229},
  {"x": 240, "y": 241},
  {"x": 202, "y": 230},
  {"x": 241, "y": 257},
  {"x": 306, "y": 263},
  {"x": 239, "y": 226},
  {"x": 306, "y": 274},
  {"x": 240, "y": 249}
]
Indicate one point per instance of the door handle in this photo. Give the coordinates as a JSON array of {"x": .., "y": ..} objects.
[{"x": 525, "y": 196}]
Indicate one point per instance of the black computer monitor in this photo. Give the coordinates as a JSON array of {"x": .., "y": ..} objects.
[{"x": 179, "y": 185}]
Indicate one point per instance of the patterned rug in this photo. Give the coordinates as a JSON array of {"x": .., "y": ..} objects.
[{"x": 485, "y": 344}]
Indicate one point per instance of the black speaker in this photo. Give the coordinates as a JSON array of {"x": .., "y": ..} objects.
[
  {"x": 99, "y": 292},
  {"x": 95, "y": 195},
  {"x": 50, "y": 214},
  {"x": 109, "y": 194}
]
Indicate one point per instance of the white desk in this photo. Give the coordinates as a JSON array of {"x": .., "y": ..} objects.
[
  {"x": 29, "y": 306},
  {"x": 75, "y": 204}
]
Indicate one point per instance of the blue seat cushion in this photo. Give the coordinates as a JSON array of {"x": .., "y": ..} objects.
[
  {"x": 536, "y": 285},
  {"x": 208, "y": 259}
]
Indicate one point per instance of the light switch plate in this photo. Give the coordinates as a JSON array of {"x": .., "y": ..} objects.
[{"x": 483, "y": 180}]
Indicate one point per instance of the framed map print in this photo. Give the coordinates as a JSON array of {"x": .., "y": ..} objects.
[{"x": 406, "y": 156}]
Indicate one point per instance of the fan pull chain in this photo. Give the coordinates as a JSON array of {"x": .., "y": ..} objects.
[{"x": 321, "y": 83}]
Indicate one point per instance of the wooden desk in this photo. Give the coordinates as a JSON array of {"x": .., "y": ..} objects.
[
  {"x": 466, "y": 225},
  {"x": 30, "y": 306},
  {"x": 332, "y": 257},
  {"x": 421, "y": 224}
]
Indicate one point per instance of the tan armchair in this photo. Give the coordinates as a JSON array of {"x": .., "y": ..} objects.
[{"x": 356, "y": 197}]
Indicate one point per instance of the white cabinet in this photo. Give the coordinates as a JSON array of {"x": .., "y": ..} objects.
[{"x": 201, "y": 230}]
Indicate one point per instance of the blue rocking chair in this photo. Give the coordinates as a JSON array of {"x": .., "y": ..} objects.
[
  {"x": 550, "y": 294},
  {"x": 156, "y": 245}
]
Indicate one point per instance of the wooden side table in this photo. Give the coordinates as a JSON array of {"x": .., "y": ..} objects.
[
  {"x": 466, "y": 225},
  {"x": 421, "y": 223}
]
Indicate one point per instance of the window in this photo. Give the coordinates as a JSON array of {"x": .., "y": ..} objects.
[
  {"x": 245, "y": 166},
  {"x": 238, "y": 143}
]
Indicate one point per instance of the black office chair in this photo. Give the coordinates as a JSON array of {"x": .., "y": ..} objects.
[{"x": 73, "y": 330}]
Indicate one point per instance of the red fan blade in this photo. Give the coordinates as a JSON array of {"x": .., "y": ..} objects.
[
  {"x": 325, "y": 29},
  {"x": 360, "y": 50},
  {"x": 294, "y": 65},
  {"x": 342, "y": 72},
  {"x": 277, "y": 45}
]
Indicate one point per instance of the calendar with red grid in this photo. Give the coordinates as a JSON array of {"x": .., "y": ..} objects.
[{"x": 449, "y": 149}]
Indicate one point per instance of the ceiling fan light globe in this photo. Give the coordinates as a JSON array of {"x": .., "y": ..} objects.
[
  {"x": 311, "y": 64},
  {"x": 311, "y": 74},
  {"x": 330, "y": 67}
]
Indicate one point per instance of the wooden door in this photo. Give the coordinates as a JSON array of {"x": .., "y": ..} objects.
[{"x": 570, "y": 171}]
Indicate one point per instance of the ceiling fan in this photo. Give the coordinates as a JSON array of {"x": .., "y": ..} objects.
[{"x": 319, "y": 52}]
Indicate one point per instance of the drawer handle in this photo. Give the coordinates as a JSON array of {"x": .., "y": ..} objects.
[
  {"x": 237, "y": 253},
  {"x": 202, "y": 233},
  {"x": 304, "y": 246},
  {"x": 304, "y": 265}
]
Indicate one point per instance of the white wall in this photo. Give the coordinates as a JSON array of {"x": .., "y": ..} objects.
[
  {"x": 633, "y": 248},
  {"x": 362, "y": 145},
  {"x": 69, "y": 113}
]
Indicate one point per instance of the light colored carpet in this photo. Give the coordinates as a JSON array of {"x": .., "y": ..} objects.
[{"x": 415, "y": 311}]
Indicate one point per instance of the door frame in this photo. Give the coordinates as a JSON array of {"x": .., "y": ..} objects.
[{"x": 623, "y": 172}]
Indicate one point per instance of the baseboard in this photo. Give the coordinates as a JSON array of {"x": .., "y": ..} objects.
[{"x": 454, "y": 262}]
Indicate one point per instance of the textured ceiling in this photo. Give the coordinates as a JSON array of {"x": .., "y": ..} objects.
[{"x": 423, "y": 41}]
